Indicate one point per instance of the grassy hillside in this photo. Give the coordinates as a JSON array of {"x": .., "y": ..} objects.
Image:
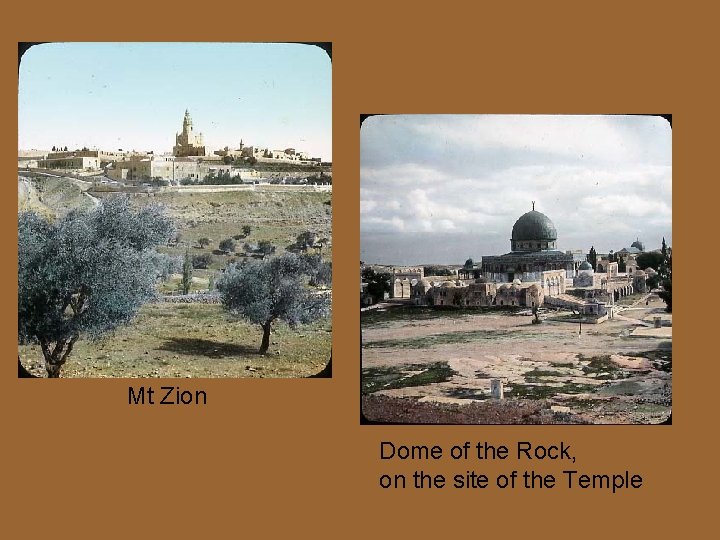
[
  {"x": 199, "y": 340},
  {"x": 193, "y": 340},
  {"x": 274, "y": 216},
  {"x": 52, "y": 196}
]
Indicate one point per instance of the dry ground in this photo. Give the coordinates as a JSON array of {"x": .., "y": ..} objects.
[
  {"x": 193, "y": 340},
  {"x": 603, "y": 375}
]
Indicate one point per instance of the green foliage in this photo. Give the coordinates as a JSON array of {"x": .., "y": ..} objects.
[
  {"x": 203, "y": 260},
  {"x": 666, "y": 294},
  {"x": 438, "y": 271},
  {"x": 221, "y": 178},
  {"x": 622, "y": 267},
  {"x": 322, "y": 242},
  {"x": 650, "y": 259},
  {"x": 592, "y": 257},
  {"x": 265, "y": 248},
  {"x": 273, "y": 289},
  {"x": 203, "y": 242},
  {"x": 246, "y": 230},
  {"x": 378, "y": 283},
  {"x": 319, "y": 271},
  {"x": 187, "y": 273},
  {"x": 665, "y": 274},
  {"x": 320, "y": 178},
  {"x": 87, "y": 273},
  {"x": 305, "y": 240},
  {"x": 228, "y": 245}
]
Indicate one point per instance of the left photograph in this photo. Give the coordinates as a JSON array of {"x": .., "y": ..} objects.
[{"x": 174, "y": 210}]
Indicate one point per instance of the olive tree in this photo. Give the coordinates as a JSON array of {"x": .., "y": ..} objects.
[
  {"x": 273, "y": 289},
  {"x": 203, "y": 242},
  {"x": 306, "y": 240},
  {"x": 87, "y": 273},
  {"x": 227, "y": 245},
  {"x": 265, "y": 248}
]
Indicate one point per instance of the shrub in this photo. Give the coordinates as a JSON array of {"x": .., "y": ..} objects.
[{"x": 202, "y": 261}]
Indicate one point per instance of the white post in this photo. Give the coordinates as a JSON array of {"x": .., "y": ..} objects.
[{"x": 496, "y": 389}]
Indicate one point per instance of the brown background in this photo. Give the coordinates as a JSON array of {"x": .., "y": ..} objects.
[{"x": 271, "y": 458}]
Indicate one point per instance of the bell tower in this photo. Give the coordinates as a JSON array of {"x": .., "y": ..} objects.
[{"x": 187, "y": 143}]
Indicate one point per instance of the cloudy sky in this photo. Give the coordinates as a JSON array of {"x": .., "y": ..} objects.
[
  {"x": 134, "y": 95},
  {"x": 442, "y": 188}
]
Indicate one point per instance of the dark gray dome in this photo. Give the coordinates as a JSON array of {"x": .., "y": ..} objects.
[
  {"x": 585, "y": 266},
  {"x": 638, "y": 244},
  {"x": 534, "y": 225}
]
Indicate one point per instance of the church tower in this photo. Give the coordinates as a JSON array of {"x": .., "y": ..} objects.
[{"x": 187, "y": 143}]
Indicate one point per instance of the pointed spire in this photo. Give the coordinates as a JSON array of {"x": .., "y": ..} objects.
[{"x": 533, "y": 205}]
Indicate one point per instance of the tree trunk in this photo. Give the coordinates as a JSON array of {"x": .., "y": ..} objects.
[
  {"x": 55, "y": 358},
  {"x": 266, "y": 338},
  {"x": 53, "y": 370}
]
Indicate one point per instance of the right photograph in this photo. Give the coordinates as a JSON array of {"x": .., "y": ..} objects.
[{"x": 516, "y": 269}]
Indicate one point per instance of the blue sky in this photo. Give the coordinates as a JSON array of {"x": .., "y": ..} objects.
[
  {"x": 134, "y": 95},
  {"x": 442, "y": 188}
]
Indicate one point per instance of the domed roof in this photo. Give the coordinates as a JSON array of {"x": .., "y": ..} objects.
[
  {"x": 516, "y": 281},
  {"x": 585, "y": 266},
  {"x": 639, "y": 273},
  {"x": 534, "y": 225},
  {"x": 448, "y": 284},
  {"x": 638, "y": 244}
]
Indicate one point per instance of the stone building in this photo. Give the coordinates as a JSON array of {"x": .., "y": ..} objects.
[
  {"x": 631, "y": 265},
  {"x": 403, "y": 279},
  {"x": 188, "y": 143},
  {"x": 640, "y": 281},
  {"x": 532, "y": 274},
  {"x": 635, "y": 248},
  {"x": 533, "y": 257},
  {"x": 585, "y": 277},
  {"x": 84, "y": 159},
  {"x": 82, "y": 163},
  {"x": 478, "y": 293},
  {"x": 604, "y": 266}
]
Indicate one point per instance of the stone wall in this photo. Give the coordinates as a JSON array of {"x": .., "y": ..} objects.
[{"x": 194, "y": 298}]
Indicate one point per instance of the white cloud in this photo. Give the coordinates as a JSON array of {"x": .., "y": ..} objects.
[{"x": 602, "y": 180}]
